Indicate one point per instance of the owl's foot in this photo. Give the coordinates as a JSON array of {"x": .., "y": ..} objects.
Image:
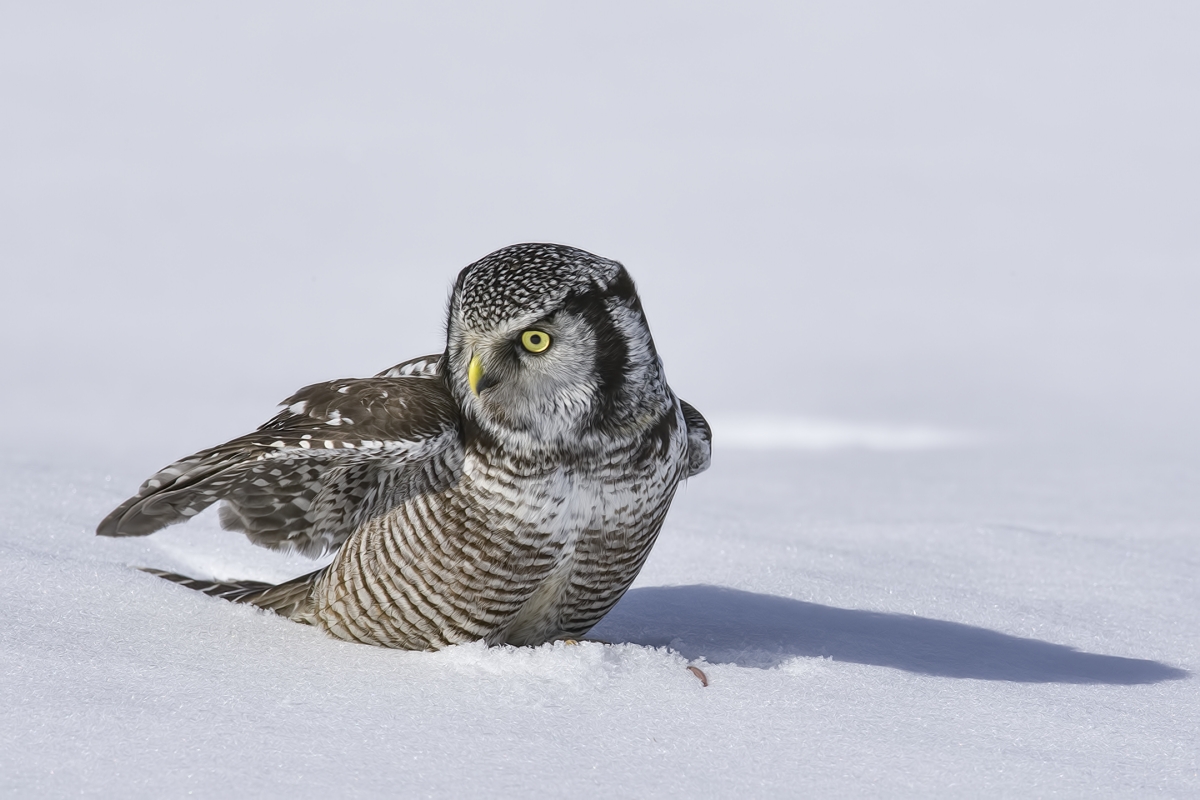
[{"x": 699, "y": 673}]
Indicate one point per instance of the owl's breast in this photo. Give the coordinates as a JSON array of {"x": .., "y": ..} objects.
[
  {"x": 516, "y": 550},
  {"x": 601, "y": 524}
]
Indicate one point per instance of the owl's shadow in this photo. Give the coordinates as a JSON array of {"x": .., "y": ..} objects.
[{"x": 728, "y": 626}]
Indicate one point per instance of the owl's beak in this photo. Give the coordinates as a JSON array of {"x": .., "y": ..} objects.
[{"x": 475, "y": 374}]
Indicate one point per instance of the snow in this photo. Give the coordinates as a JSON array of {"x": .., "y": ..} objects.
[
  {"x": 790, "y": 433},
  {"x": 930, "y": 270},
  {"x": 902, "y": 623}
]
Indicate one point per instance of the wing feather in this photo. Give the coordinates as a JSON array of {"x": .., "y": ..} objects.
[
  {"x": 423, "y": 367},
  {"x": 699, "y": 439},
  {"x": 339, "y": 454}
]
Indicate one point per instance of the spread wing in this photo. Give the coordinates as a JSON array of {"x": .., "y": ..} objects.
[
  {"x": 340, "y": 453},
  {"x": 699, "y": 439}
]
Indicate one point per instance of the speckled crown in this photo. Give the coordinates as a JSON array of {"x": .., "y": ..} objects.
[{"x": 529, "y": 279}]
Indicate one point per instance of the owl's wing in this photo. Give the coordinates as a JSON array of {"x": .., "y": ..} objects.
[
  {"x": 339, "y": 454},
  {"x": 699, "y": 439},
  {"x": 423, "y": 367}
]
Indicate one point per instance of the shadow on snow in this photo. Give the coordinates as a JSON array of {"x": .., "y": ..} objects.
[{"x": 728, "y": 626}]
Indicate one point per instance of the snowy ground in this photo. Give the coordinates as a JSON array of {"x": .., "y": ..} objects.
[
  {"x": 935, "y": 622},
  {"x": 930, "y": 268}
]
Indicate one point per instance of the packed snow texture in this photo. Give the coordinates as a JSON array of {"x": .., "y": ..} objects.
[
  {"x": 923, "y": 622},
  {"x": 930, "y": 269}
]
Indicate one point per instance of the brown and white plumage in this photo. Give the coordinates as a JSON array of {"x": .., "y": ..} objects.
[{"x": 492, "y": 492}]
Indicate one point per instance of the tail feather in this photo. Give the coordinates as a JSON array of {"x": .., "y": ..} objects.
[{"x": 291, "y": 599}]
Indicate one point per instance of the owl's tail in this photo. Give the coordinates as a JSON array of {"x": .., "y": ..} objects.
[{"x": 292, "y": 599}]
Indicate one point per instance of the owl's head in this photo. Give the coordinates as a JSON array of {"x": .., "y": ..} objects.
[{"x": 548, "y": 345}]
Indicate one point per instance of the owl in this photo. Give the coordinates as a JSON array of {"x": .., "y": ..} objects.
[{"x": 506, "y": 490}]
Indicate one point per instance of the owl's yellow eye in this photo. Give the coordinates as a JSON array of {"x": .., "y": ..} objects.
[{"x": 535, "y": 341}]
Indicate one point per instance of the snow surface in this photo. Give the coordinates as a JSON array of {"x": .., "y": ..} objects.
[
  {"x": 930, "y": 268},
  {"x": 905, "y": 623}
]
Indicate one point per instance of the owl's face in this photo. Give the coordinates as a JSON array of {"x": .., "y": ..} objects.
[{"x": 547, "y": 345}]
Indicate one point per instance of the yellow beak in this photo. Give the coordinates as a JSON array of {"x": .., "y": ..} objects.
[{"x": 474, "y": 373}]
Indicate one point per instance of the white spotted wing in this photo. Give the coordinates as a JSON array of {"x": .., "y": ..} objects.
[{"x": 339, "y": 454}]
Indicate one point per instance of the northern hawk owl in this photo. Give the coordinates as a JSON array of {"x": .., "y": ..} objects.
[{"x": 507, "y": 490}]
